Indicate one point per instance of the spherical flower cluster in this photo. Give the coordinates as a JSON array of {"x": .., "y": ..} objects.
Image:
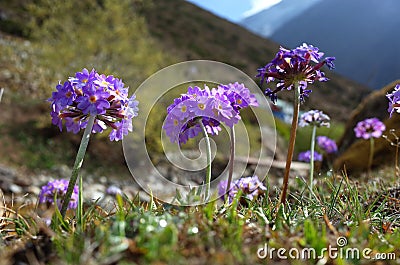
[
  {"x": 208, "y": 106},
  {"x": 306, "y": 156},
  {"x": 368, "y": 128},
  {"x": 314, "y": 118},
  {"x": 91, "y": 93},
  {"x": 299, "y": 66},
  {"x": 327, "y": 144},
  {"x": 394, "y": 100},
  {"x": 57, "y": 189},
  {"x": 250, "y": 187}
]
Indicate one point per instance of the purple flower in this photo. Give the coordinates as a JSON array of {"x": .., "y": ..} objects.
[
  {"x": 83, "y": 78},
  {"x": 368, "y": 128},
  {"x": 251, "y": 188},
  {"x": 203, "y": 106},
  {"x": 89, "y": 93},
  {"x": 238, "y": 95},
  {"x": 64, "y": 96},
  {"x": 314, "y": 118},
  {"x": 74, "y": 124},
  {"x": 306, "y": 156},
  {"x": 208, "y": 106},
  {"x": 94, "y": 102},
  {"x": 56, "y": 189},
  {"x": 113, "y": 190},
  {"x": 299, "y": 66},
  {"x": 394, "y": 100},
  {"x": 327, "y": 144}
]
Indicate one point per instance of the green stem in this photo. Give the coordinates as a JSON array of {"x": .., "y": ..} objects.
[
  {"x": 1, "y": 93},
  {"x": 208, "y": 150},
  {"x": 231, "y": 161},
  {"x": 78, "y": 163},
  {"x": 371, "y": 155},
  {"x": 396, "y": 167},
  {"x": 292, "y": 139},
  {"x": 312, "y": 157}
]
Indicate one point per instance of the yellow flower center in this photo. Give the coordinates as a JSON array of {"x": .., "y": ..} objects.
[
  {"x": 201, "y": 106},
  {"x": 92, "y": 99},
  {"x": 176, "y": 122},
  {"x": 239, "y": 101},
  {"x": 184, "y": 108}
]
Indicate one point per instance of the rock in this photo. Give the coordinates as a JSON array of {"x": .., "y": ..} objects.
[
  {"x": 62, "y": 171},
  {"x": 34, "y": 190},
  {"x": 353, "y": 152},
  {"x": 9, "y": 179},
  {"x": 15, "y": 188},
  {"x": 94, "y": 192}
]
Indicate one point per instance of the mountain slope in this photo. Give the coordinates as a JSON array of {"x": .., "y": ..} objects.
[
  {"x": 190, "y": 32},
  {"x": 360, "y": 34},
  {"x": 167, "y": 32},
  {"x": 184, "y": 31}
]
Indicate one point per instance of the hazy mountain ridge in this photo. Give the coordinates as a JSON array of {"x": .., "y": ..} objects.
[
  {"x": 267, "y": 21},
  {"x": 360, "y": 34}
]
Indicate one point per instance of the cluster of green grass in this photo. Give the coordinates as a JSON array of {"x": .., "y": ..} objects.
[{"x": 135, "y": 232}]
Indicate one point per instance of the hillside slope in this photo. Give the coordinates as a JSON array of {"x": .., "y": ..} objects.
[
  {"x": 166, "y": 32},
  {"x": 184, "y": 31},
  {"x": 190, "y": 32}
]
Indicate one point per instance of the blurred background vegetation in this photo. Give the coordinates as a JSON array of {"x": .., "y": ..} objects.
[
  {"x": 48, "y": 41},
  {"x": 44, "y": 41}
]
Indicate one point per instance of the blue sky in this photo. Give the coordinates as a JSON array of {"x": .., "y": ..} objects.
[{"x": 234, "y": 10}]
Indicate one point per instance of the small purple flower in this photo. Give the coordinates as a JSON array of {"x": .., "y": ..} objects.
[
  {"x": 394, "y": 100},
  {"x": 299, "y": 66},
  {"x": 203, "y": 106},
  {"x": 57, "y": 189},
  {"x": 251, "y": 188},
  {"x": 64, "y": 96},
  {"x": 327, "y": 144},
  {"x": 208, "y": 106},
  {"x": 94, "y": 102},
  {"x": 55, "y": 118},
  {"x": 190, "y": 131},
  {"x": 74, "y": 124},
  {"x": 306, "y": 156},
  {"x": 314, "y": 118},
  {"x": 238, "y": 95},
  {"x": 113, "y": 190},
  {"x": 89, "y": 93},
  {"x": 83, "y": 78},
  {"x": 368, "y": 128}
]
